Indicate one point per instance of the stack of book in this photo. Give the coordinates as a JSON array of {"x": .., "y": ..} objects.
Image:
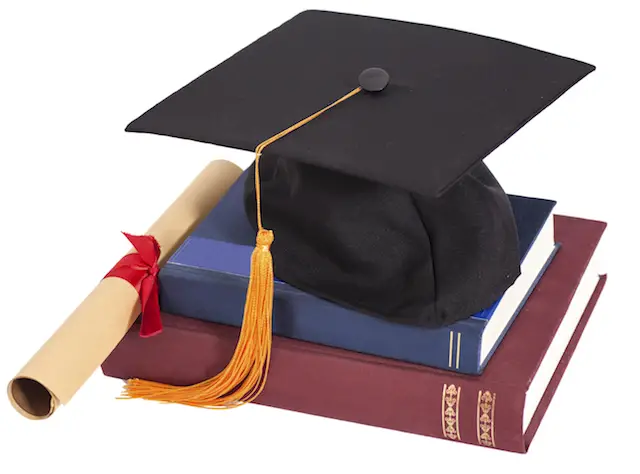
[{"x": 486, "y": 380}]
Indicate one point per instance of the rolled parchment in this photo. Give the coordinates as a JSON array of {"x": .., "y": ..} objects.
[{"x": 67, "y": 360}]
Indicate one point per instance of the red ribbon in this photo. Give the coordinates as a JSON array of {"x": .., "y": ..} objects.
[{"x": 141, "y": 270}]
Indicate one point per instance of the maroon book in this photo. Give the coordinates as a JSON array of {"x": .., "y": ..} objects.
[{"x": 502, "y": 408}]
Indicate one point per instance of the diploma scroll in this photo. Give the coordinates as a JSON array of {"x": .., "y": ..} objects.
[{"x": 67, "y": 360}]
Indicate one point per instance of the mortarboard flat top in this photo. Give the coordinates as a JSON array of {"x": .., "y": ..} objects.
[{"x": 453, "y": 97}]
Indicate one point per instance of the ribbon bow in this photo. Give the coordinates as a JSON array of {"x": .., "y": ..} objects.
[{"x": 141, "y": 270}]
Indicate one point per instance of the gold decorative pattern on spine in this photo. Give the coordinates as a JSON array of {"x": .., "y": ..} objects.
[
  {"x": 450, "y": 408},
  {"x": 485, "y": 418}
]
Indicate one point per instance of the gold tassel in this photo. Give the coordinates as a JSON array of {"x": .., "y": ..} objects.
[{"x": 245, "y": 376}]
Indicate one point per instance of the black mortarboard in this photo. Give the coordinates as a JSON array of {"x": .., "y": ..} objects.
[{"x": 383, "y": 203}]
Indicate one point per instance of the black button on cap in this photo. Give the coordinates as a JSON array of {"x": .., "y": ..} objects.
[{"x": 373, "y": 79}]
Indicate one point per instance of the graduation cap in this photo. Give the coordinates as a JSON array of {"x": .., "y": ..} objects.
[{"x": 369, "y": 137}]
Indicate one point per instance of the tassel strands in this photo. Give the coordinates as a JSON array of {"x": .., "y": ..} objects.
[{"x": 244, "y": 378}]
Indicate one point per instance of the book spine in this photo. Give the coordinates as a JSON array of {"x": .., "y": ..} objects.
[
  {"x": 488, "y": 416},
  {"x": 219, "y": 297},
  {"x": 336, "y": 384}
]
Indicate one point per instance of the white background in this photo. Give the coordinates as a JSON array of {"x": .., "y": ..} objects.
[{"x": 73, "y": 74}]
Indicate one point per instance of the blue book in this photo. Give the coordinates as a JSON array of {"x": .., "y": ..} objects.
[{"x": 207, "y": 277}]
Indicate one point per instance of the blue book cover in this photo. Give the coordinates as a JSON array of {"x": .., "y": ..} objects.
[{"x": 207, "y": 277}]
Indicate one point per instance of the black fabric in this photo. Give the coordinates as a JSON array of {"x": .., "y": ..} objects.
[
  {"x": 385, "y": 251},
  {"x": 452, "y": 98},
  {"x": 382, "y": 203}
]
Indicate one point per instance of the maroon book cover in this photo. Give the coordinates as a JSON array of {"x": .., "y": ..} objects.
[{"x": 502, "y": 408}]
